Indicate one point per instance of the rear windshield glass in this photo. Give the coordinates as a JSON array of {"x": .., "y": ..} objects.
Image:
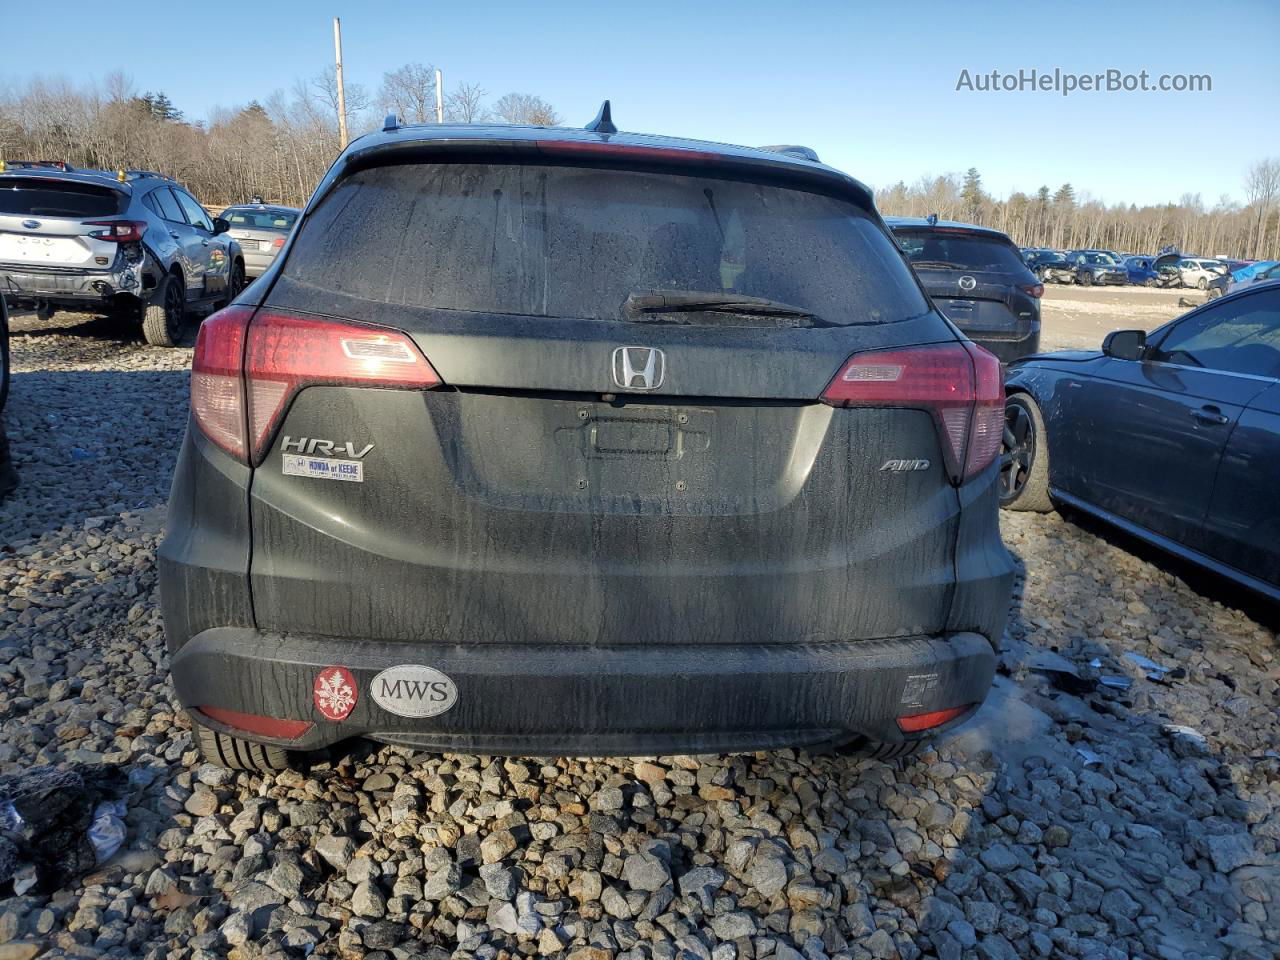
[
  {"x": 34, "y": 197},
  {"x": 963, "y": 251},
  {"x": 576, "y": 242},
  {"x": 281, "y": 221}
]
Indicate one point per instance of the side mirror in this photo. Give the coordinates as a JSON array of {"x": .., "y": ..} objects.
[
  {"x": 1125, "y": 344},
  {"x": 220, "y": 225}
]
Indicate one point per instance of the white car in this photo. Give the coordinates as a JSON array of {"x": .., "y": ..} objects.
[{"x": 1199, "y": 273}]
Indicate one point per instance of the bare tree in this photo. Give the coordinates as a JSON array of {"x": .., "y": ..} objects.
[
  {"x": 410, "y": 92},
  {"x": 525, "y": 108},
  {"x": 1071, "y": 218},
  {"x": 466, "y": 104},
  {"x": 1262, "y": 190},
  {"x": 324, "y": 88}
]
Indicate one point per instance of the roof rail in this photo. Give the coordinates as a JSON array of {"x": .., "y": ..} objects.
[
  {"x": 30, "y": 164},
  {"x": 794, "y": 150},
  {"x": 141, "y": 174},
  {"x": 392, "y": 122},
  {"x": 603, "y": 123}
]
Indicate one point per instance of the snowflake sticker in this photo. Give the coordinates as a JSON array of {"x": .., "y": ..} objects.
[{"x": 335, "y": 693}]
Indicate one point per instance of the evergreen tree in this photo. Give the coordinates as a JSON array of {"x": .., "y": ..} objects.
[{"x": 971, "y": 194}]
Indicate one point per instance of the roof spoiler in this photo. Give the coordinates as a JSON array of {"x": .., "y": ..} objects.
[{"x": 794, "y": 150}]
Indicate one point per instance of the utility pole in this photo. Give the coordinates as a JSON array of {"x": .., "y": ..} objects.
[
  {"x": 342, "y": 93},
  {"x": 439, "y": 97}
]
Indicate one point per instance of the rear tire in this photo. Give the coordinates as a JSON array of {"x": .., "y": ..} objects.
[
  {"x": 1024, "y": 457},
  {"x": 1202, "y": 284},
  {"x": 884, "y": 752},
  {"x": 235, "y": 283},
  {"x": 1086, "y": 278},
  {"x": 164, "y": 319},
  {"x": 236, "y": 754}
]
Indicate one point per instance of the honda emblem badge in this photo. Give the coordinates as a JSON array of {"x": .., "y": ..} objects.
[{"x": 639, "y": 368}]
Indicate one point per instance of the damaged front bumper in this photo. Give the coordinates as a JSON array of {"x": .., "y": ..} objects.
[{"x": 134, "y": 273}]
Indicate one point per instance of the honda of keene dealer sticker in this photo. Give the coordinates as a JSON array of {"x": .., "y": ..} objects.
[
  {"x": 412, "y": 690},
  {"x": 323, "y": 469}
]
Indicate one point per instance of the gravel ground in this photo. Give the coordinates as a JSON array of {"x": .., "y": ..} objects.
[{"x": 1108, "y": 823}]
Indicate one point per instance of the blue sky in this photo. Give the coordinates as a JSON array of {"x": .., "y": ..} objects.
[{"x": 872, "y": 87}]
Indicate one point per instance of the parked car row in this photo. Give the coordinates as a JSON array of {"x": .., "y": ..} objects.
[
  {"x": 133, "y": 243},
  {"x": 524, "y": 470},
  {"x": 1087, "y": 267},
  {"x": 1244, "y": 276}
]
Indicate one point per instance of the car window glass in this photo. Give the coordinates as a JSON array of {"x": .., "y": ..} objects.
[
  {"x": 45, "y": 197},
  {"x": 168, "y": 205},
  {"x": 1238, "y": 336},
  {"x": 963, "y": 251},
  {"x": 280, "y": 221},
  {"x": 195, "y": 213},
  {"x": 576, "y": 242}
]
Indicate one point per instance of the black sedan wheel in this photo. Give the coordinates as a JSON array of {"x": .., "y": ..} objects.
[{"x": 1024, "y": 457}]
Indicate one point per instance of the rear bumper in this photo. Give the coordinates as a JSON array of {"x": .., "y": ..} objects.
[
  {"x": 256, "y": 263},
  {"x": 25, "y": 286},
  {"x": 1009, "y": 349},
  {"x": 545, "y": 700}
]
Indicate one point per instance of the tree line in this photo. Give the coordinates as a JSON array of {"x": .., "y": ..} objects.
[
  {"x": 277, "y": 148},
  {"x": 1063, "y": 219},
  {"x": 280, "y": 147}
]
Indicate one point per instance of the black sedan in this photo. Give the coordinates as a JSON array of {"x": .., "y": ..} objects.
[{"x": 1173, "y": 436}]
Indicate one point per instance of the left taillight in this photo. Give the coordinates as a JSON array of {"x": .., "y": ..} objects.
[
  {"x": 1033, "y": 289},
  {"x": 117, "y": 231},
  {"x": 217, "y": 379},
  {"x": 960, "y": 384},
  {"x": 247, "y": 368}
]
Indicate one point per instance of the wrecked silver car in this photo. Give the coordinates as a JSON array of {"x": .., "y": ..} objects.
[{"x": 132, "y": 243}]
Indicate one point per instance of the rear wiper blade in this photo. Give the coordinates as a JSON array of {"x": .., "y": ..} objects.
[
  {"x": 695, "y": 301},
  {"x": 936, "y": 263}
]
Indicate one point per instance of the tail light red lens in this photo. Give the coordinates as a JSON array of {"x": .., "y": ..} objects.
[
  {"x": 275, "y": 727},
  {"x": 960, "y": 384},
  {"x": 117, "y": 231},
  {"x": 217, "y": 379},
  {"x": 927, "y": 721},
  {"x": 278, "y": 242},
  {"x": 1033, "y": 290},
  {"x": 245, "y": 374}
]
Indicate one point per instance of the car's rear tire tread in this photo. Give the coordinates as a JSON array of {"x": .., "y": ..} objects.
[
  {"x": 158, "y": 328},
  {"x": 236, "y": 754},
  {"x": 885, "y": 752},
  {"x": 1034, "y": 495}
]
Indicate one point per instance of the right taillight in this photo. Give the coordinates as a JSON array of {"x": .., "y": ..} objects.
[
  {"x": 960, "y": 384},
  {"x": 247, "y": 368}
]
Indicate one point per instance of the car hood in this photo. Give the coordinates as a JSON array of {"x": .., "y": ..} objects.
[{"x": 1060, "y": 356}]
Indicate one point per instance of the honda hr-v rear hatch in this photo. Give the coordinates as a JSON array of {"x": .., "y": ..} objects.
[{"x": 573, "y": 401}]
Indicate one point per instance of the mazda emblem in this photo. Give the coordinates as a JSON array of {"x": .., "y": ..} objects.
[{"x": 967, "y": 283}]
